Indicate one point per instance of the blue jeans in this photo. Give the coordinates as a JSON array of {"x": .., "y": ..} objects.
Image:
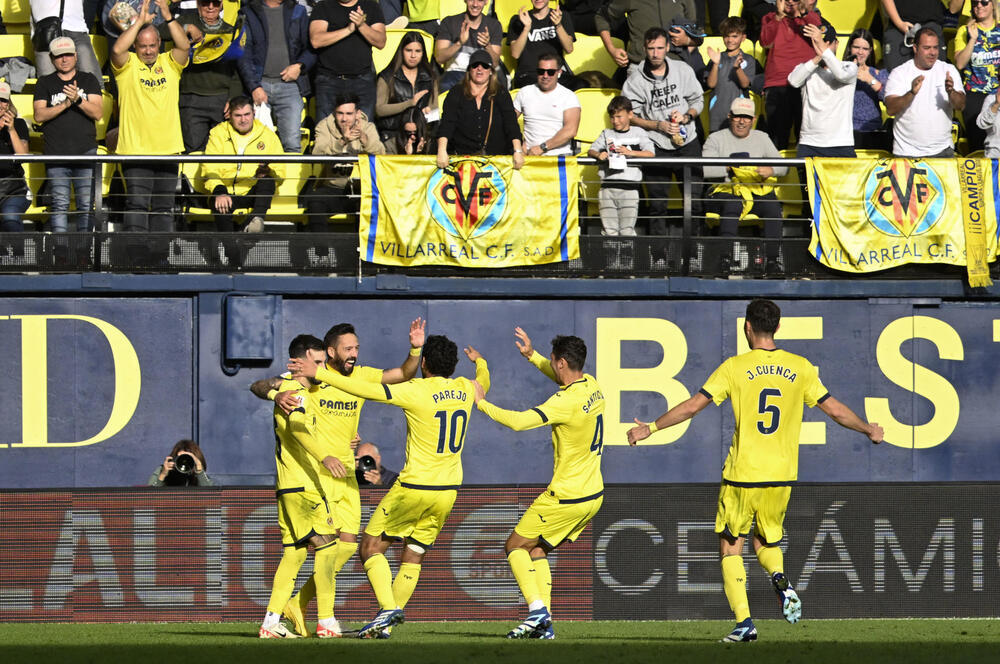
[
  {"x": 12, "y": 213},
  {"x": 329, "y": 87},
  {"x": 81, "y": 178},
  {"x": 286, "y": 104}
]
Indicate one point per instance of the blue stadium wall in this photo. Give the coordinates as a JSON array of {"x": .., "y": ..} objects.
[{"x": 104, "y": 373}]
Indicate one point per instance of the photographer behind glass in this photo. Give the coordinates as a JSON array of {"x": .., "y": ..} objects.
[
  {"x": 369, "y": 469},
  {"x": 184, "y": 467}
]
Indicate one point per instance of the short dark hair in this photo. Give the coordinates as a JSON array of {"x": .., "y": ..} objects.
[
  {"x": 570, "y": 348},
  {"x": 548, "y": 54},
  {"x": 239, "y": 101},
  {"x": 303, "y": 343},
  {"x": 347, "y": 98},
  {"x": 925, "y": 31},
  {"x": 335, "y": 332},
  {"x": 732, "y": 24},
  {"x": 655, "y": 33},
  {"x": 619, "y": 103},
  {"x": 763, "y": 316},
  {"x": 440, "y": 355}
]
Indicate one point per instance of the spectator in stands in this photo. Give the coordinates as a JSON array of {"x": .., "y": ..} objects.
[
  {"x": 148, "y": 95},
  {"x": 732, "y": 73},
  {"x": 240, "y": 185},
  {"x": 987, "y": 121},
  {"x": 68, "y": 105},
  {"x": 922, "y": 94},
  {"x": 618, "y": 198},
  {"x": 551, "y": 112},
  {"x": 903, "y": 20},
  {"x": 582, "y": 14},
  {"x": 977, "y": 56},
  {"x": 411, "y": 137},
  {"x": 869, "y": 93},
  {"x": 186, "y": 466},
  {"x": 13, "y": 188},
  {"x": 380, "y": 476},
  {"x": 667, "y": 99},
  {"x": 781, "y": 33},
  {"x": 344, "y": 32},
  {"x": 536, "y": 32},
  {"x": 745, "y": 189},
  {"x": 210, "y": 80},
  {"x": 408, "y": 82},
  {"x": 478, "y": 116},
  {"x": 460, "y": 36},
  {"x": 827, "y": 86},
  {"x": 640, "y": 16},
  {"x": 75, "y": 27},
  {"x": 276, "y": 64},
  {"x": 685, "y": 38}
]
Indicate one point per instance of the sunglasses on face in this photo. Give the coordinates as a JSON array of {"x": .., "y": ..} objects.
[
  {"x": 411, "y": 134},
  {"x": 213, "y": 3},
  {"x": 981, "y": 3},
  {"x": 480, "y": 65},
  {"x": 546, "y": 72}
]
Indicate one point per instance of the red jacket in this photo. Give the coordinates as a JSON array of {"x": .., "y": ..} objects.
[{"x": 787, "y": 46}]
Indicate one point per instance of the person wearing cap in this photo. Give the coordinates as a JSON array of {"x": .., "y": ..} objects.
[
  {"x": 922, "y": 95},
  {"x": 551, "y": 111},
  {"x": 538, "y": 29},
  {"x": 827, "y": 85},
  {"x": 13, "y": 188},
  {"x": 150, "y": 124},
  {"x": 460, "y": 36},
  {"x": 903, "y": 21},
  {"x": 74, "y": 26},
  {"x": 68, "y": 105},
  {"x": 744, "y": 189},
  {"x": 640, "y": 16},
  {"x": 478, "y": 116}
]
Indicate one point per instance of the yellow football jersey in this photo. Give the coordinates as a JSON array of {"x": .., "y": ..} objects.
[
  {"x": 576, "y": 415},
  {"x": 336, "y": 414},
  {"x": 767, "y": 389},
  {"x": 437, "y": 418},
  {"x": 296, "y": 467}
]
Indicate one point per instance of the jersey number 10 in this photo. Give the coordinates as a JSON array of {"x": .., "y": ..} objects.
[{"x": 455, "y": 434}]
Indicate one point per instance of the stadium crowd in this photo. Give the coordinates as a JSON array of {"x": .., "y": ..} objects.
[{"x": 920, "y": 78}]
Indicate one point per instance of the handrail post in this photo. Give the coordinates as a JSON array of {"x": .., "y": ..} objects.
[
  {"x": 687, "y": 232},
  {"x": 100, "y": 214}
]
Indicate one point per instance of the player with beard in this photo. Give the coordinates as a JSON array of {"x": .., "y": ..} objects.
[{"x": 336, "y": 424}]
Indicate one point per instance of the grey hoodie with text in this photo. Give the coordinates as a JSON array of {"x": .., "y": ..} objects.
[{"x": 657, "y": 97}]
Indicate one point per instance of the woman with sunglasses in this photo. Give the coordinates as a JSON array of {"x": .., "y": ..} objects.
[
  {"x": 409, "y": 82},
  {"x": 411, "y": 137},
  {"x": 478, "y": 117},
  {"x": 977, "y": 56},
  {"x": 869, "y": 93}
]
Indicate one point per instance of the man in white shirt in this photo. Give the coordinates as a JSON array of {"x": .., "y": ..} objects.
[
  {"x": 923, "y": 94},
  {"x": 827, "y": 86},
  {"x": 551, "y": 112}
]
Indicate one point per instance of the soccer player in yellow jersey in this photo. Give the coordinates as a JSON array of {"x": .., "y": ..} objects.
[
  {"x": 336, "y": 415},
  {"x": 437, "y": 409},
  {"x": 575, "y": 494},
  {"x": 768, "y": 387},
  {"x": 305, "y": 473}
]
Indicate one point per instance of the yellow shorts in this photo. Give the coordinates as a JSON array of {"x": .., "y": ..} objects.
[
  {"x": 553, "y": 521},
  {"x": 416, "y": 514},
  {"x": 302, "y": 514},
  {"x": 345, "y": 501},
  {"x": 738, "y": 505}
]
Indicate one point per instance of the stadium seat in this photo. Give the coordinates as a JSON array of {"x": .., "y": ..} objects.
[
  {"x": 589, "y": 54},
  {"x": 503, "y": 10},
  {"x": 790, "y": 191},
  {"x": 25, "y": 110},
  {"x": 508, "y": 60},
  {"x": 873, "y": 154},
  {"x": 100, "y": 44},
  {"x": 34, "y": 175},
  {"x": 848, "y": 15},
  {"x": 382, "y": 57},
  {"x": 16, "y": 45},
  {"x": 452, "y": 7},
  {"x": 16, "y": 14},
  {"x": 108, "y": 106},
  {"x": 594, "y": 112}
]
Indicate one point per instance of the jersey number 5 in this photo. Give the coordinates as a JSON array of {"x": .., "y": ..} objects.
[
  {"x": 598, "y": 443},
  {"x": 453, "y": 433},
  {"x": 764, "y": 408}
]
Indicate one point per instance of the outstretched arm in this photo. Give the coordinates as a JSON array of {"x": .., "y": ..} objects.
[
  {"x": 848, "y": 419},
  {"x": 408, "y": 369},
  {"x": 512, "y": 419},
  {"x": 482, "y": 370},
  {"x": 262, "y": 387},
  {"x": 359, "y": 388},
  {"x": 523, "y": 343},
  {"x": 681, "y": 412}
]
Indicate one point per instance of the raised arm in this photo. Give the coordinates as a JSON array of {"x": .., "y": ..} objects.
[
  {"x": 180, "y": 52},
  {"x": 120, "y": 49},
  {"x": 408, "y": 369},
  {"x": 523, "y": 343},
  {"x": 482, "y": 370},
  {"x": 680, "y": 413},
  {"x": 847, "y": 418}
]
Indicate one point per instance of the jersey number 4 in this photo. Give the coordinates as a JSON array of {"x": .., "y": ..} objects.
[
  {"x": 768, "y": 410},
  {"x": 598, "y": 443},
  {"x": 454, "y": 434}
]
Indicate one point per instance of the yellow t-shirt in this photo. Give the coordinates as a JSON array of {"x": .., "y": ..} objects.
[
  {"x": 296, "y": 467},
  {"x": 336, "y": 413},
  {"x": 149, "y": 98},
  {"x": 767, "y": 388},
  {"x": 437, "y": 418}
]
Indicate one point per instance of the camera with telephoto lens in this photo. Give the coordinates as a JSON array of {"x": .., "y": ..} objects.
[
  {"x": 184, "y": 463},
  {"x": 364, "y": 464}
]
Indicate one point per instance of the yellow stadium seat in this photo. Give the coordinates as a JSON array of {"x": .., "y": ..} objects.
[
  {"x": 594, "y": 112},
  {"x": 790, "y": 191},
  {"x": 100, "y": 44},
  {"x": 873, "y": 154},
  {"x": 382, "y": 57},
  {"x": 15, "y": 12},
  {"x": 503, "y": 10},
  {"x": 13, "y": 45},
  {"x": 107, "y": 106},
  {"x": 589, "y": 54},
  {"x": 848, "y": 15},
  {"x": 34, "y": 175},
  {"x": 507, "y": 58},
  {"x": 452, "y": 7},
  {"x": 590, "y": 184},
  {"x": 747, "y": 46}
]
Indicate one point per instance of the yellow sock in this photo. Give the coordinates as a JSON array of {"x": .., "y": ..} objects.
[
  {"x": 325, "y": 580},
  {"x": 524, "y": 572},
  {"x": 345, "y": 550},
  {"x": 543, "y": 577},
  {"x": 380, "y": 576},
  {"x": 284, "y": 577},
  {"x": 734, "y": 580},
  {"x": 771, "y": 559},
  {"x": 306, "y": 594},
  {"x": 405, "y": 583}
]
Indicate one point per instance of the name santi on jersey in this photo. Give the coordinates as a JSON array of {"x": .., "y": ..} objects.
[
  {"x": 595, "y": 396},
  {"x": 771, "y": 370}
]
